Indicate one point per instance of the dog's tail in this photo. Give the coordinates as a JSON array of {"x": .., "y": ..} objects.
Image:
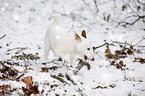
[{"x": 57, "y": 19}]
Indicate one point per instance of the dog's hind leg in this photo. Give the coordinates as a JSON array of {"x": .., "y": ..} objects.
[
  {"x": 46, "y": 51},
  {"x": 46, "y": 48}
]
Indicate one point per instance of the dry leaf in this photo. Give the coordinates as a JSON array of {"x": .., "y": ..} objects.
[
  {"x": 64, "y": 94},
  {"x": 135, "y": 61},
  {"x": 27, "y": 81},
  {"x": 121, "y": 63},
  {"x": 109, "y": 54}
]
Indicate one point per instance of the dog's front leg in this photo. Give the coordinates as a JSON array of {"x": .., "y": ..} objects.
[
  {"x": 46, "y": 50},
  {"x": 63, "y": 55}
]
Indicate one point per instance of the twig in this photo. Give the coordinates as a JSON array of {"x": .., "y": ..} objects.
[
  {"x": 68, "y": 78},
  {"x": 58, "y": 78},
  {"x": 130, "y": 44},
  {"x": 94, "y": 48},
  {"x": 88, "y": 6},
  {"x": 132, "y": 23},
  {"x": 139, "y": 41},
  {"x": 140, "y": 2},
  {"x": 17, "y": 48},
  {"x": 127, "y": 23},
  {"x": 121, "y": 43},
  {"x": 140, "y": 46},
  {"x": 130, "y": 17},
  {"x": 132, "y": 10},
  {"x": 96, "y": 5},
  {"x": 125, "y": 20},
  {"x": 2, "y": 36},
  {"x": 53, "y": 61},
  {"x": 20, "y": 76}
]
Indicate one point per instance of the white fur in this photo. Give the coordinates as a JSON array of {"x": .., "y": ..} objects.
[{"x": 64, "y": 45}]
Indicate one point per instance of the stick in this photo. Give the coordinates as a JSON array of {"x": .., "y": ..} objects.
[
  {"x": 94, "y": 48},
  {"x": 2, "y": 36}
]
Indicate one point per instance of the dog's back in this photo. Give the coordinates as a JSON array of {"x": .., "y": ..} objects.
[{"x": 58, "y": 38}]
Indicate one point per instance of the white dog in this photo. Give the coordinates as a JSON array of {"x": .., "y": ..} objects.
[{"x": 66, "y": 45}]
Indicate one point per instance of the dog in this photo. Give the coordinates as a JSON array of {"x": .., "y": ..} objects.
[{"x": 66, "y": 45}]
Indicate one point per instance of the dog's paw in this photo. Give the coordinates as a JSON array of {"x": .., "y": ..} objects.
[{"x": 65, "y": 60}]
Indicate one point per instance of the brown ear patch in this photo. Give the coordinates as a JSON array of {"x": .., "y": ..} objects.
[
  {"x": 84, "y": 34},
  {"x": 77, "y": 37}
]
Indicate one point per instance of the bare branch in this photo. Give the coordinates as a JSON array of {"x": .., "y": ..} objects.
[
  {"x": 96, "y": 5},
  {"x": 135, "y": 14},
  {"x": 130, "y": 17},
  {"x": 132, "y": 10},
  {"x": 94, "y": 48},
  {"x": 140, "y": 2},
  {"x": 88, "y": 6},
  {"x": 128, "y": 23},
  {"x": 139, "y": 41}
]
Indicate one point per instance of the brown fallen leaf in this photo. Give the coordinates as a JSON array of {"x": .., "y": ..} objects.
[
  {"x": 44, "y": 69},
  {"x": 6, "y": 90},
  {"x": 31, "y": 89},
  {"x": 141, "y": 60},
  {"x": 107, "y": 50},
  {"x": 109, "y": 54},
  {"x": 112, "y": 63},
  {"x": 64, "y": 94},
  {"x": 27, "y": 81},
  {"x": 135, "y": 61},
  {"x": 121, "y": 63}
]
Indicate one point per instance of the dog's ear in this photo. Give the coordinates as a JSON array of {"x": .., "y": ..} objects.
[
  {"x": 77, "y": 37},
  {"x": 84, "y": 34}
]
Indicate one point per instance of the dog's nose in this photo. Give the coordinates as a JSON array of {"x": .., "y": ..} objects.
[{"x": 93, "y": 59}]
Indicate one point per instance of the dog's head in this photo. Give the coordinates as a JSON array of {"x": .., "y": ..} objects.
[{"x": 83, "y": 46}]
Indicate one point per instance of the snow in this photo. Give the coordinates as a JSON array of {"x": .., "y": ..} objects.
[{"x": 25, "y": 22}]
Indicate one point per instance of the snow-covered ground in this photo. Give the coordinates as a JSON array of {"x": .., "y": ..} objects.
[{"x": 25, "y": 22}]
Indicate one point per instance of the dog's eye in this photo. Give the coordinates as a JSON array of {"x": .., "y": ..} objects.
[{"x": 88, "y": 48}]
